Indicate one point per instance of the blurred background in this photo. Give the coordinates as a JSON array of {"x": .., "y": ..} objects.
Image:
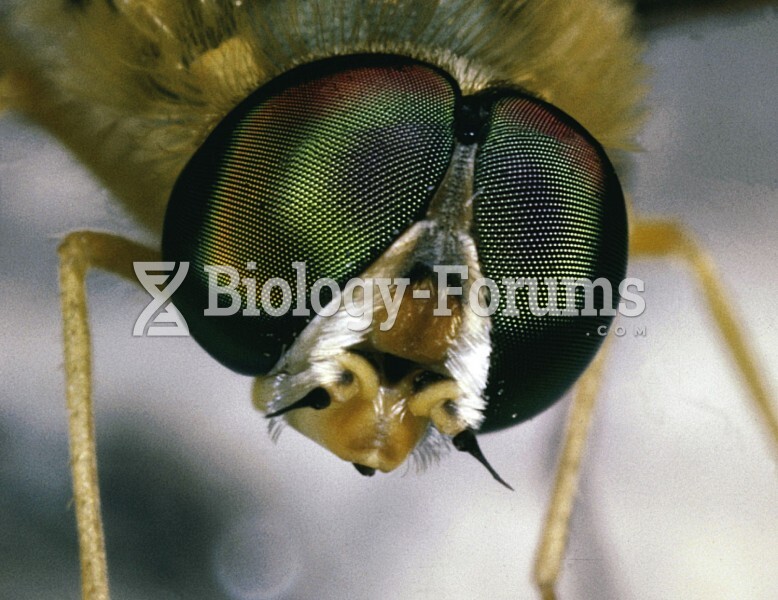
[{"x": 679, "y": 491}]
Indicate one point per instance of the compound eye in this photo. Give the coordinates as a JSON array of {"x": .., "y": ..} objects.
[
  {"x": 549, "y": 207},
  {"x": 326, "y": 165}
]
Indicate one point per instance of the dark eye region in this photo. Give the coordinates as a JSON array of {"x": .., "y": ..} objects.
[
  {"x": 325, "y": 165},
  {"x": 549, "y": 207},
  {"x": 330, "y": 163}
]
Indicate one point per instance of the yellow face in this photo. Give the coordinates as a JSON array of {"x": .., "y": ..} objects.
[
  {"x": 387, "y": 393},
  {"x": 369, "y": 422}
]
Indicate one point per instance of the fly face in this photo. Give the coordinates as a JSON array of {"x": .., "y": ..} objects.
[{"x": 463, "y": 228}]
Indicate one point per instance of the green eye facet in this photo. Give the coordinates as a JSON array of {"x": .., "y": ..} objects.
[
  {"x": 324, "y": 165},
  {"x": 549, "y": 205}
]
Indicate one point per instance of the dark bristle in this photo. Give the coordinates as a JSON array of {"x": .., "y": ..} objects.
[
  {"x": 466, "y": 442},
  {"x": 317, "y": 399}
]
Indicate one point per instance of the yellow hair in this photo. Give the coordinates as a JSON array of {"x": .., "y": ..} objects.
[{"x": 133, "y": 87}]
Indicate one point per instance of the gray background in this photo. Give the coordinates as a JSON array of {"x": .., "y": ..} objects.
[{"x": 679, "y": 496}]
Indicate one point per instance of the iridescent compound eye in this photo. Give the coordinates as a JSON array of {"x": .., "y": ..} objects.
[
  {"x": 325, "y": 165},
  {"x": 549, "y": 208},
  {"x": 490, "y": 207}
]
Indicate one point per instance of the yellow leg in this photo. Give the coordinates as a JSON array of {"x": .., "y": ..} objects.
[
  {"x": 660, "y": 239},
  {"x": 79, "y": 252},
  {"x": 548, "y": 561},
  {"x": 663, "y": 238}
]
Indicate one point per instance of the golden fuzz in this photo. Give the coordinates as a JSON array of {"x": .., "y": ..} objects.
[{"x": 133, "y": 87}]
